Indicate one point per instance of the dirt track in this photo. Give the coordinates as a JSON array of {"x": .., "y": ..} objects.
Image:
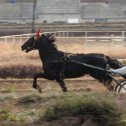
[{"x": 24, "y": 86}]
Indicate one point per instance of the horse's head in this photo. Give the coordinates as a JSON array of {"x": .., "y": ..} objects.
[{"x": 34, "y": 42}]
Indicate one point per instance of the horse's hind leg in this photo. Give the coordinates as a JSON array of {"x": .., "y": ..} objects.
[{"x": 109, "y": 84}]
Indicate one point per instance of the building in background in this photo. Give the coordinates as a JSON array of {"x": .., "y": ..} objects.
[{"x": 63, "y": 11}]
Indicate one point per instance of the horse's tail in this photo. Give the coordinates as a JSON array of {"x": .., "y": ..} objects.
[{"x": 114, "y": 63}]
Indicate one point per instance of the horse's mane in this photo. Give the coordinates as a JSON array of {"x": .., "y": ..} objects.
[
  {"x": 53, "y": 44},
  {"x": 51, "y": 41}
]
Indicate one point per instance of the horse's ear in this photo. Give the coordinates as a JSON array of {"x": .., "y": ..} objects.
[{"x": 37, "y": 35}]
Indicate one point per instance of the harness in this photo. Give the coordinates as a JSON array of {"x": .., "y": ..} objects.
[
  {"x": 63, "y": 59},
  {"x": 67, "y": 57}
]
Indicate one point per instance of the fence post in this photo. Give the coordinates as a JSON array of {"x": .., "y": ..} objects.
[
  {"x": 112, "y": 38},
  {"x": 5, "y": 39},
  {"x": 13, "y": 39},
  {"x": 123, "y": 35},
  {"x": 86, "y": 37},
  {"x": 20, "y": 39}
]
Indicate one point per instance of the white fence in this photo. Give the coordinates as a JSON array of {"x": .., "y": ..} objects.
[{"x": 86, "y": 35}]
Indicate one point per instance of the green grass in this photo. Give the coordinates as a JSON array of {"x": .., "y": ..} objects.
[
  {"x": 8, "y": 90},
  {"x": 101, "y": 108},
  {"x": 5, "y": 115},
  {"x": 30, "y": 99}
]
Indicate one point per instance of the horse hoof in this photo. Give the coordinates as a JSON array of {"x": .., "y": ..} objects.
[
  {"x": 39, "y": 89},
  {"x": 64, "y": 90}
]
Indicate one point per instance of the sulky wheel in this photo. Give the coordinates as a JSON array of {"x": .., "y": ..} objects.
[{"x": 121, "y": 87}]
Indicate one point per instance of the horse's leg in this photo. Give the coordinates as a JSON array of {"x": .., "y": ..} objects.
[
  {"x": 62, "y": 84},
  {"x": 38, "y": 75},
  {"x": 109, "y": 85},
  {"x": 60, "y": 77}
]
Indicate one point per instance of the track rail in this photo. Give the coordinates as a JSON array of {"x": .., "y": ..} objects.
[{"x": 86, "y": 35}]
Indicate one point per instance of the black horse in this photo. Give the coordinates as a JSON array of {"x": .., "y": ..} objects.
[{"x": 58, "y": 65}]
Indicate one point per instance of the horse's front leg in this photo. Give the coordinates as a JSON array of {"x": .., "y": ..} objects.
[
  {"x": 62, "y": 84},
  {"x": 38, "y": 75},
  {"x": 60, "y": 77}
]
